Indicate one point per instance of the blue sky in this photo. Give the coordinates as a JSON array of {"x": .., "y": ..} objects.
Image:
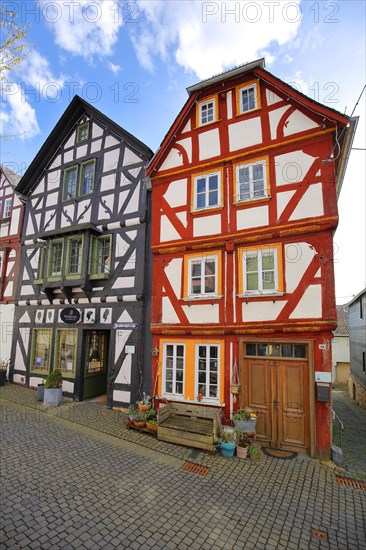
[{"x": 134, "y": 59}]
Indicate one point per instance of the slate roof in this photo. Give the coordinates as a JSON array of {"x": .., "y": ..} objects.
[
  {"x": 11, "y": 176},
  {"x": 343, "y": 321}
]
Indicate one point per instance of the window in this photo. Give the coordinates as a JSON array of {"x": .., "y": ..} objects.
[
  {"x": 207, "y": 369},
  {"x": 55, "y": 258},
  {"x": 74, "y": 256},
  {"x": 248, "y": 98},
  {"x": 203, "y": 276},
  {"x": 207, "y": 191},
  {"x": 70, "y": 179},
  {"x": 7, "y": 208},
  {"x": 293, "y": 351},
  {"x": 82, "y": 133},
  {"x": 251, "y": 181},
  {"x": 41, "y": 346},
  {"x": 100, "y": 257},
  {"x": 174, "y": 359},
  {"x": 41, "y": 264},
  {"x": 261, "y": 270},
  {"x": 87, "y": 177},
  {"x": 206, "y": 111},
  {"x": 66, "y": 351},
  {"x": 95, "y": 351}
]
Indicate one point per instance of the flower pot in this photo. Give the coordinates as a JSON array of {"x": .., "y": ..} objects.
[
  {"x": 241, "y": 452},
  {"x": 245, "y": 425},
  {"x": 144, "y": 408},
  {"x": 227, "y": 448},
  {"x": 152, "y": 427},
  {"x": 139, "y": 424},
  {"x": 40, "y": 392},
  {"x": 256, "y": 457},
  {"x": 2, "y": 377},
  {"x": 52, "y": 397}
]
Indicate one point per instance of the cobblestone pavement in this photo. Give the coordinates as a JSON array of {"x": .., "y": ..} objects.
[
  {"x": 67, "y": 485},
  {"x": 354, "y": 434}
]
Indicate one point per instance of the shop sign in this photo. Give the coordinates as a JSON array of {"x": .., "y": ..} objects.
[{"x": 70, "y": 315}]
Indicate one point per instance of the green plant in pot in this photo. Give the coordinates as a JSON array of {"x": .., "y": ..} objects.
[
  {"x": 140, "y": 420},
  {"x": 151, "y": 420},
  {"x": 255, "y": 452},
  {"x": 227, "y": 442},
  {"x": 245, "y": 420},
  {"x": 242, "y": 444},
  {"x": 53, "y": 389}
]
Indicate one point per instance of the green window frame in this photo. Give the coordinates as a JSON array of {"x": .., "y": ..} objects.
[
  {"x": 87, "y": 177},
  {"x": 66, "y": 351},
  {"x": 70, "y": 183},
  {"x": 55, "y": 259},
  {"x": 41, "y": 350},
  {"x": 41, "y": 265},
  {"x": 82, "y": 133},
  {"x": 100, "y": 257},
  {"x": 75, "y": 246}
]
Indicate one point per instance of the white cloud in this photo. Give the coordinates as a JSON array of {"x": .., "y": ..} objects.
[
  {"x": 197, "y": 30},
  {"x": 20, "y": 119},
  {"x": 114, "y": 68},
  {"x": 85, "y": 28}
]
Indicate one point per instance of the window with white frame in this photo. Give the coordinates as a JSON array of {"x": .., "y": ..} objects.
[
  {"x": 260, "y": 271},
  {"x": 203, "y": 276},
  {"x": 207, "y": 191},
  {"x": 174, "y": 359},
  {"x": 248, "y": 98},
  {"x": 207, "y": 111},
  {"x": 7, "y": 207},
  {"x": 251, "y": 181},
  {"x": 207, "y": 370}
]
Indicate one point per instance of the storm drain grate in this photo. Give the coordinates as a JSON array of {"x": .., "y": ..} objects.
[
  {"x": 195, "y": 468},
  {"x": 353, "y": 483},
  {"x": 319, "y": 535}
]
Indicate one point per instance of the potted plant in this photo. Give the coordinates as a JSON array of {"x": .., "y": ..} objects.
[
  {"x": 151, "y": 420},
  {"x": 241, "y": 445},
  {"x": 53, "y": 389},
  {"x": 145, "y": 404},
  {"x": 131, "y": 415},
  {"x": 227, "y": 442},
  {"x": 140, "y": 420},
  {"x": 245, "y": 420},
  {"x": 255, "y": 452},
  {"x": 4, "y": 364}
]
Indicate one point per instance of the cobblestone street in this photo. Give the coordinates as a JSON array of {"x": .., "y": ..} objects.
[{"x": 66, "y": 484}]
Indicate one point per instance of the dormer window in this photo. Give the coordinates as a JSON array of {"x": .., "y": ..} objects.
[
  {"x": 82, "y": 133},
  {"x": 206, "y": 111}
]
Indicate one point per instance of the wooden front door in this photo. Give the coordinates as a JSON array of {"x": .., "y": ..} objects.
[{"x": 276, "y": 387}]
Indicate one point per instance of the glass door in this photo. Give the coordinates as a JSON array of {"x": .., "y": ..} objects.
[{"x": 96, "y": 363}]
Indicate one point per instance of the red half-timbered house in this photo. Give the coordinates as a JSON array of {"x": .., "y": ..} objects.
[
  {"x": 245, "y": 189},
  {"x": 11, "y": 219}
]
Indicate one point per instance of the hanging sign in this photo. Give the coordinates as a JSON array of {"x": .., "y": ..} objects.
[{"x": 70, "y": 315}]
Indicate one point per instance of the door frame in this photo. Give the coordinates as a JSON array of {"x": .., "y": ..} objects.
[{"x": 310, "y": 397}]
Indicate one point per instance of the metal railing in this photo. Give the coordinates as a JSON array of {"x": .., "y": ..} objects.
[{"x": 336, "y": 417}]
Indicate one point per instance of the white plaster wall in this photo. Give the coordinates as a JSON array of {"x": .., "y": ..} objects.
[
  {"x": 187, "y": 146},
  {"x": 310, "y": 204},
  {"x": 173, "y": 272},
  {"x": 133, "y": 203},
  {"x": 108, "y": 182},
  {"x": 81, "y": 151},
  {"x": 122, "y": 396},
  {"x": 208, "y": 225},
  {"x": 19, "y": 379},
  {"x": 168, "y": 313},
  {"x": 57, "y": 162},
  {"x": 53, "y": 181},
  {"x": 209, "y": 144},
  {"x": 97, "y": 130},
  {"x": 111, "y": 141},
  {"x": 176, "y": 193},
  {"x": 272, "y": 98},
  {"x": 340, "y": 349},
  {"x": 274, "y": 118},
  {"x": 187, "y": 127},
  {"x": 282, "y": 201},
  {"x": 34, "y": 381},
  {"x": 110, "y": 161},
  {"x": 298, "y": 122},
  {"x": 252, "y": 217},
  {"x": 130, "y": 157},
  {"x": 245, "y": 133},
  {"x": 202, "y": 313},
  {"x": 52, "y": 199},
  {"x": 69, "y": 155},
  {"x": 229, "y": 104},
  {"x": 262, "y": 311},
  {"x": 124, "y": 375},
  {"x": 8, "y": 292},
  {"x": 6, "y": 329},
  {"x": 297, "y": 258},
  {"x": 124, "y": 282},
  {"x": 68, "y": 386},
  {"x": 14, "y": 221},
  {"x": 24, "y": 335},
  {"x": 310, "y": 305},
  {"x": 103, "y": 214},
  {"x": 173, "y": 159},
  {"x": 167, "y": 230},
  {"x": 292, "y": 167},
  {"x": 82, "y": 209},
  {"x": 96, "y": 146}
]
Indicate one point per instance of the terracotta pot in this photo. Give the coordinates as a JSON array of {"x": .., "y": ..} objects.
[
  {"x": 152, "y": 427},
  {"x": 139, "y": 424},
  {"x": 144, "y": 408},
  {"x": 241, "y": 452}
]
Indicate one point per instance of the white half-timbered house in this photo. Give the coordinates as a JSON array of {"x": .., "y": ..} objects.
[{"x": 81, "y": 303}]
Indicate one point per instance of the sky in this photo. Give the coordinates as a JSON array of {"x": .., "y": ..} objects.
[{"x": 134, "y": 59}]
